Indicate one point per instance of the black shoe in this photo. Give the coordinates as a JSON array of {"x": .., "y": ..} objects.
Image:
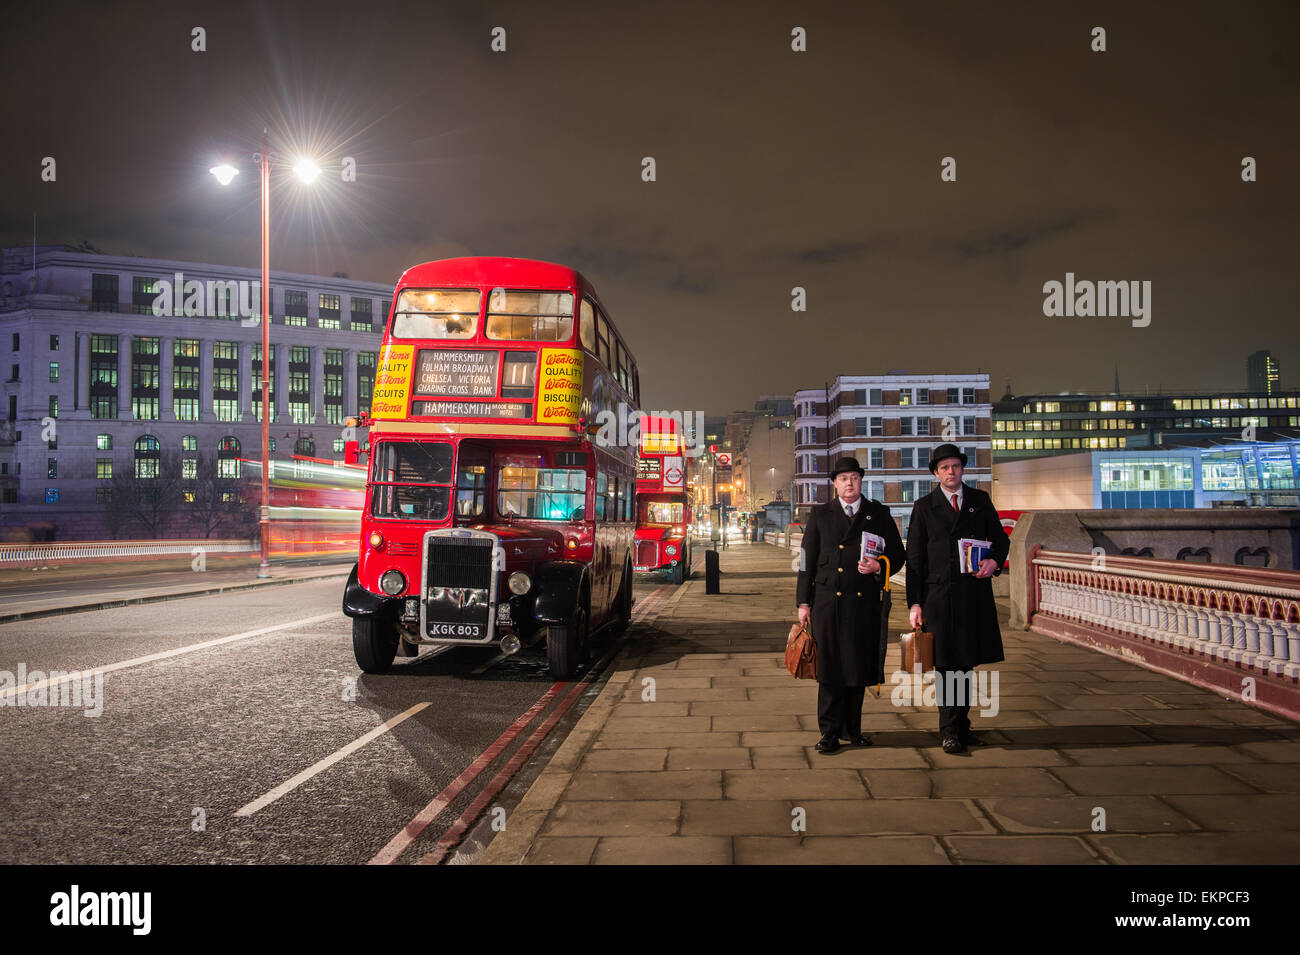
[
  {"x": 860, "y": 740},
  {"x": 971, "y": 738},
  {"x": 827, "y": 744},
  {"x": 952, "y": 744}
]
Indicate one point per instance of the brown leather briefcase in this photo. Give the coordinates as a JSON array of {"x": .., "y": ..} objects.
[
  {"x": 801, "y": 653},
  {"x": 917, "y": 647}
]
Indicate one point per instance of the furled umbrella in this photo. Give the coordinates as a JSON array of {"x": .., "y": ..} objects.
[{"x": 886, "y": 603}]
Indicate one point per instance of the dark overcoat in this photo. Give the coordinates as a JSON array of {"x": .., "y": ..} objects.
[
  {"x": 845, "y": 604},
  {"x": 958, "y": 608}
]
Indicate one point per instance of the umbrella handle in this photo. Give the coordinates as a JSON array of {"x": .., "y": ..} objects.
[{"x": 885, "y": 560}]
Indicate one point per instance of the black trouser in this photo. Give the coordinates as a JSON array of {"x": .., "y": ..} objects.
[
  {"x": 839, "y": 710},
  {"x": 954, "y": 708}
]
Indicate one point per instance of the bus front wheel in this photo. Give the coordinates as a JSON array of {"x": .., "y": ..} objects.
[
  {"x": 566, "y": 644},
  {"x": 679, "y": 572},
  {"x": 374, "y": 644}
]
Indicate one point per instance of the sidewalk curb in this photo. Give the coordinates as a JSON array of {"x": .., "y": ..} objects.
[
  {"x": 157, "y": 598},
  {"x": 511, "y": 845}
]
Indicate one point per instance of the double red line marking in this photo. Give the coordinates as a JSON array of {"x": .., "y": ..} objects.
[{"x": 452, "y": 837}]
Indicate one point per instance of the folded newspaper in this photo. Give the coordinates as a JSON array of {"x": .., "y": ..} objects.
[
  {"x": 970, "y": 551},
  {"x": 873, "y": 545}
]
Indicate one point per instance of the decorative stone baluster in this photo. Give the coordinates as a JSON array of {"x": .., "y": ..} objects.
[
  {"x": 1292, "y": 668},
  {"x": 1252, "y": 656}
]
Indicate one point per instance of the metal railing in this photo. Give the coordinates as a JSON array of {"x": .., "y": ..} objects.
[
  {"x": 1246, "y": 616},
  {"x": 19, "y": 555}
]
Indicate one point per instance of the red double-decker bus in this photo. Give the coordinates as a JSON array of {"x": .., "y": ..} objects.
[
  {"x": 663, "y": 503},
  {"x": 495, "y": 515}
]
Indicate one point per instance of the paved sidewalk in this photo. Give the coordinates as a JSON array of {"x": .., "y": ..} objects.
[{"x": 1093, "y": 760}]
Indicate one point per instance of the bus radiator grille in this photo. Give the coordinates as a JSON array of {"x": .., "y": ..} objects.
[{"x": 460, "y": 563}]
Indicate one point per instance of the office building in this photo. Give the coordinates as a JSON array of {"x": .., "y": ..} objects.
[
  {"x": 890, "y": 423},
  {"x": 99, "y": 383}
]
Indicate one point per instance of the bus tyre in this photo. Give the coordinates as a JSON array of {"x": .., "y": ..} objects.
[
  {"x": 565, "y": 646},
  {"x": 374, "y": 644},
  {"x": 679, "y": 572}
]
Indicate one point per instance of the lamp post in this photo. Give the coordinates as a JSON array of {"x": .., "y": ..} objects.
[{"x": 307, "y": 171}]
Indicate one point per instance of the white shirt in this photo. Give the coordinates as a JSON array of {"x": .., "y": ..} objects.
[
  {"x": 851, "y": 509},
  {"x": 955, "y": 494}
]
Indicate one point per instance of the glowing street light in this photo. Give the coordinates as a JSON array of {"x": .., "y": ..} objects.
[
  {"x": 307, "y": 171},
  {"x": 225, "y": 173}
]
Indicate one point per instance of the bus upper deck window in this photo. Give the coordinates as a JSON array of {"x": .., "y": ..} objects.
[
  {"x": 436, "y": 313},
  {"x": 523, "y": 316},
  {"x": 587, "y": 326}
]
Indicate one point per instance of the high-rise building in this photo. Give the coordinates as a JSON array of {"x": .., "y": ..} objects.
[
  {"x": 890, "y": 423},
  {"x": 1262, "y": 373},
  {"x": 99, "y": 383}
]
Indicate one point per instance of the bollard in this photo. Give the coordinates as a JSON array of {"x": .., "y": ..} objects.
[{"x": 711, "y": 573}]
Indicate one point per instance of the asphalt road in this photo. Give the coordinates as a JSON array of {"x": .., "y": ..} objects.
[{"x": 195, "y": 739}]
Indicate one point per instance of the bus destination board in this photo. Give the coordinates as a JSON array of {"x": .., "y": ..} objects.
[{"x": 456, "y": 374}]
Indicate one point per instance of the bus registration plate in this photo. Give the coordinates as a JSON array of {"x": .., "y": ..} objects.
[{"x": 464, "y": 631}]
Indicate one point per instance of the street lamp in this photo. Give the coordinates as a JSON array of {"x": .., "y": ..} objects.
[
  {"x": 225, "y": 173},
  {"x": 306, "y": 170}
]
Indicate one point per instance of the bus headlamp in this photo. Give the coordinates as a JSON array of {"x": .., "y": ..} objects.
[
  {"x": 392, "y": 583},
  {"x": 519, "y": 583},
  {"x": 376, "y": 540}
]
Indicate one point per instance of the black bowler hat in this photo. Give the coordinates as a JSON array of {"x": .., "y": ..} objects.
[
  {"x": 846, "y": 464},
  {"x": 945, "y": 451}
]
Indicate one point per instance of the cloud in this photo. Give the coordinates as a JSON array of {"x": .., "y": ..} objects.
[{"x": 1007, "y": 238}]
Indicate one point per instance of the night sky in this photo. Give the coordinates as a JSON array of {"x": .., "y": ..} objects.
[{"x": 775, "y": 169}]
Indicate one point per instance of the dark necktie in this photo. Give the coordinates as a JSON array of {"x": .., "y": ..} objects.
[{"x": 955, "y": 506}]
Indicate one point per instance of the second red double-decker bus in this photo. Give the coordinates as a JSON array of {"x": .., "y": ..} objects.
[
  {"x": 494, "y": 515},
  {"x": 663, "y": 502}
]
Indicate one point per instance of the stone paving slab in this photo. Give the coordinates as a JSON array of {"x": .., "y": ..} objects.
[
  {"x": 1022, "y": 850},
  {"x": 664, "y": 850},
  {"x": 1079, "y": 814},
  {"x": 1149, "y": 780},
  {"x": 1199, "y": 848},
  {"x": 840, "y": 850},
  {"x": 1092, "y": 759}
]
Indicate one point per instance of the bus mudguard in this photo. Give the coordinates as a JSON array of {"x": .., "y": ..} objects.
[
  {"x": 357, "y": 601},
  {"x": 557, "y": 585}
]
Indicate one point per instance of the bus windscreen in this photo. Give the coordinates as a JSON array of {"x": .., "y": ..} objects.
[{"x": 411, "y": 480}]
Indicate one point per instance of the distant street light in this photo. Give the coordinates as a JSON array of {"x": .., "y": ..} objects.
[{"x": 307, "y": 171}]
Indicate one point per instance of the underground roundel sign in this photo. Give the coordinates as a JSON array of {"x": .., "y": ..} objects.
[
  {"x": 724, "y": 460},
  {"x": 673, "y": 472}
]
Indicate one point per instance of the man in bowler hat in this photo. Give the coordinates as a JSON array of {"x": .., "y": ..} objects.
[
  {"x": 957, "y": 608},
  {"x": 839, "y": 592}
]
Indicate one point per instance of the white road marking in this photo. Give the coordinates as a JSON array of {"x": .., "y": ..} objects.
[
  {"x": 166, "y": 654},
  {"x": 263, "y": 801}
]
